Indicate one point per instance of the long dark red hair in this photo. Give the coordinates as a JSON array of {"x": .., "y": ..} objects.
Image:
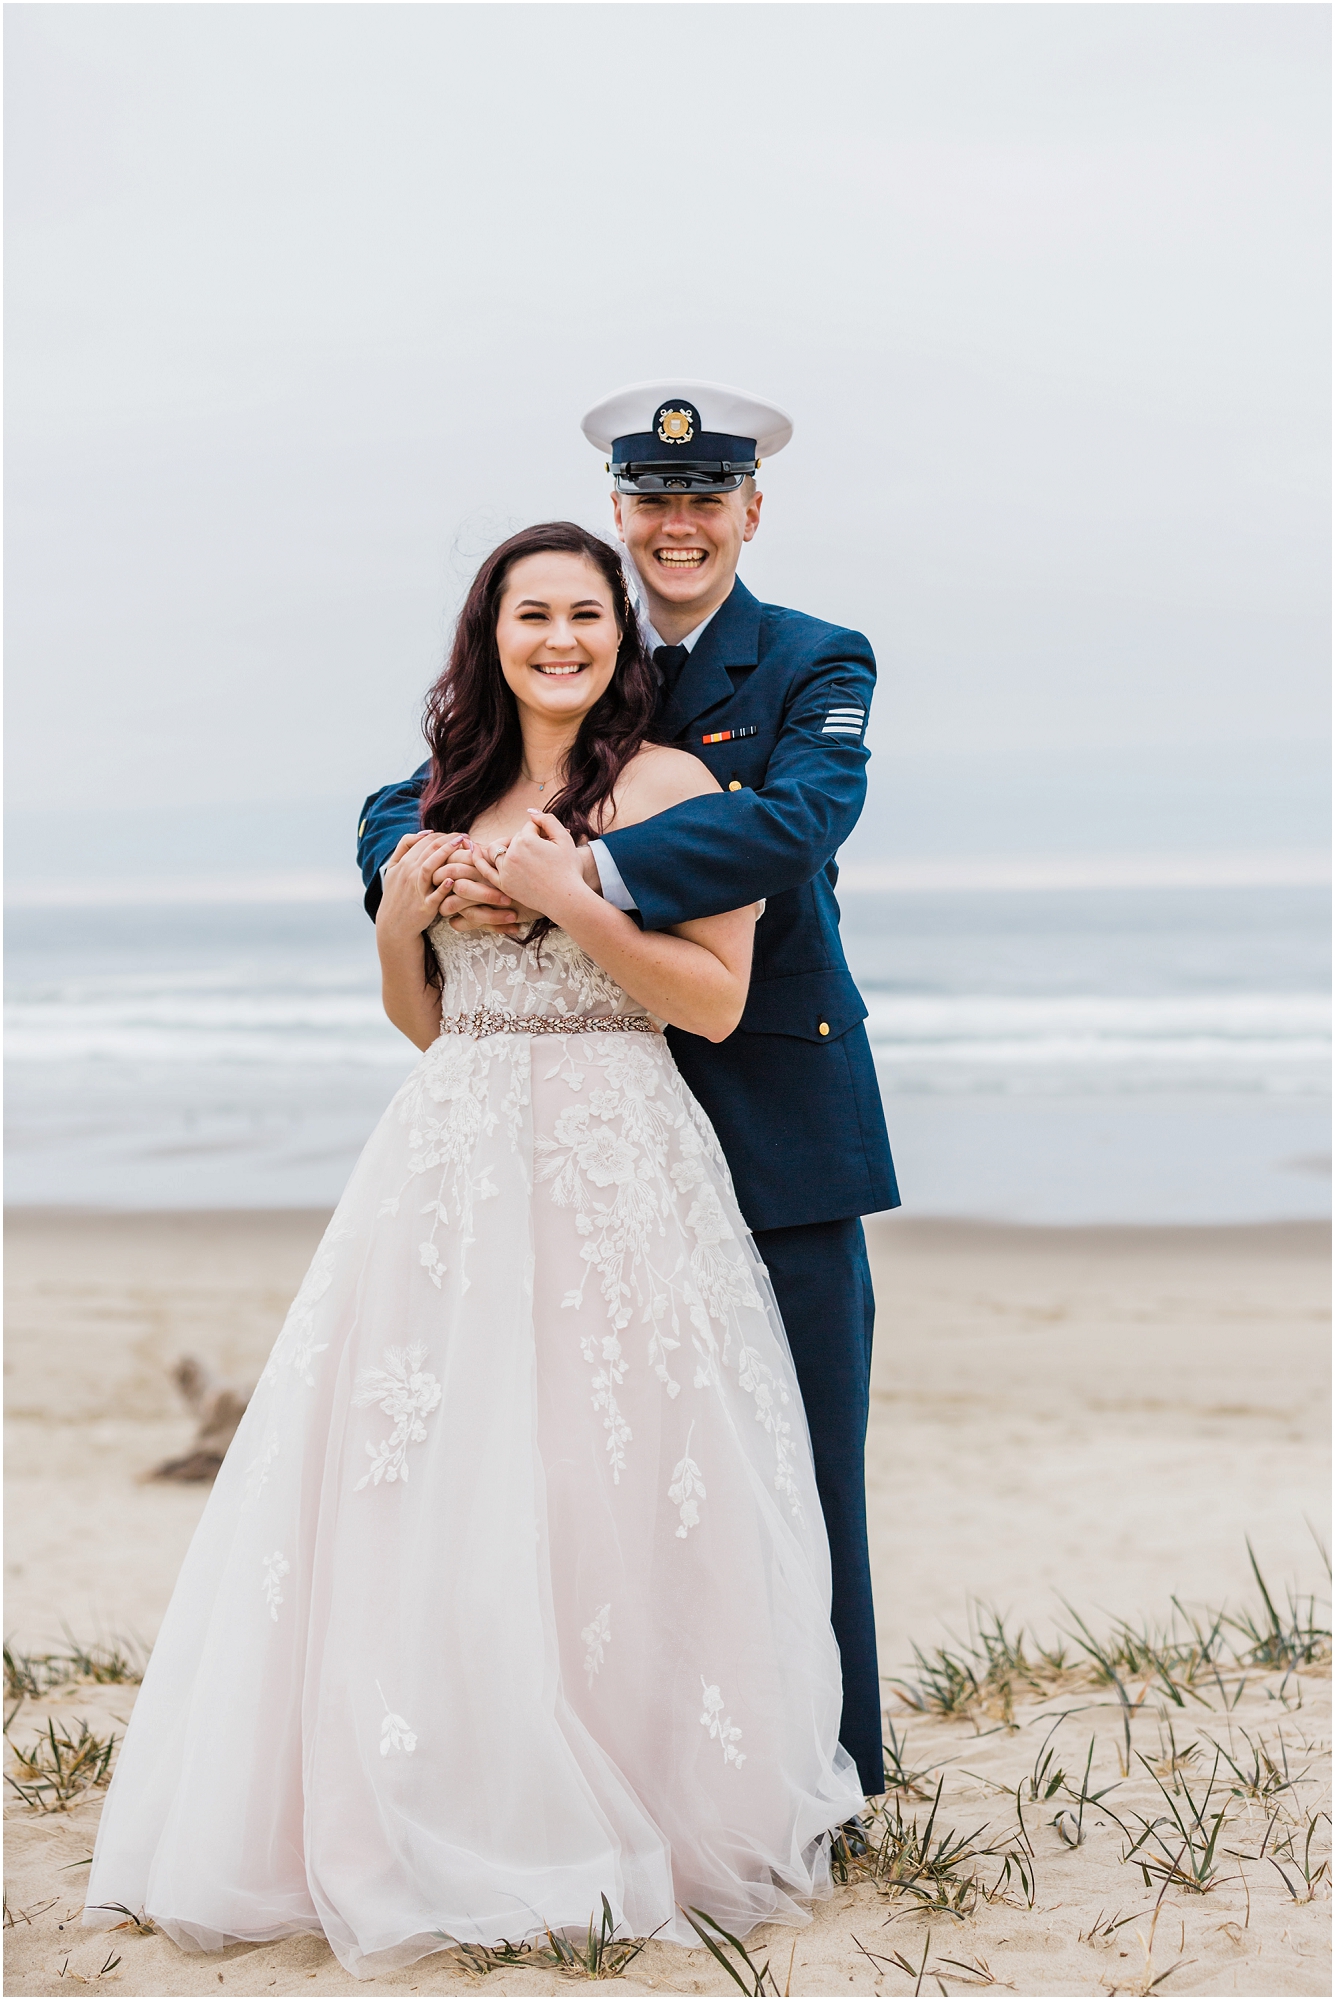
[{"x": 472, "y": 718}]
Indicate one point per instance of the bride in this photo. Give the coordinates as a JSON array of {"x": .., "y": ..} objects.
[{"x": 513, "y": 1591}]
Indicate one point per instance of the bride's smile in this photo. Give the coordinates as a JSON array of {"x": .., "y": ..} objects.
[{"x": 557, "y": 637}]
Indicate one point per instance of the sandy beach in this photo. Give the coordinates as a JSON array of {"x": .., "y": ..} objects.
[{"x": 1100, "y": 1416}]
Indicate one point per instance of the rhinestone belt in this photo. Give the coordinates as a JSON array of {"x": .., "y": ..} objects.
[{"x": 491, "y": 1021}]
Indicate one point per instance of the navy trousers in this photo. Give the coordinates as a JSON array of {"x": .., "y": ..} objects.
[{"x": 822, "y": 1282}]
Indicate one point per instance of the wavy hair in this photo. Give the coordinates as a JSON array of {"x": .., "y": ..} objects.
[{"x": 472, "y": 717}]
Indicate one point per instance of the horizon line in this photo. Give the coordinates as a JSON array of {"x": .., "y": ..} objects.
[{"x": 954, "y": 874}]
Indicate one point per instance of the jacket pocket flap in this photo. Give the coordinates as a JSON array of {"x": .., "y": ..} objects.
[{"x": 813, "y": 1006}]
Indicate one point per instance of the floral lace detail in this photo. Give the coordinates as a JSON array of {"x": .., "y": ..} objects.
[
  {"x": 257, "y": 1472},
  {"x": 596, "y": 1637},
  {"x": 395, "y": 1733},
  {"x": 686, "y": 1487},
  {"x": 465, "y": 959},
  {"x": 625, "y": 1156},
  {"x": 296, "y": 1346},
  {"x": 481, "y": 970},
  {"x": 722, "y": 1729},
  {"x": 613, "y": 1141},
  {"x": 405, "y": 1391},
  {"x": 445, "y": 1105},
  {"x": 594, "y": 987},
  {"x": 770, "y": 1398},
  {"x": 608, "y": 1158},
  {"x": 276, "y": 1567}
]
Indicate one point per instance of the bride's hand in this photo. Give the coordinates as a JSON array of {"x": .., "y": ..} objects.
[
  {"x": 411, "y": 897},
  {"x": 539, "y": 867}
]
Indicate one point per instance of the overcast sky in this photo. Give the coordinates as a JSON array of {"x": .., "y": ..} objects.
[{"x": 304, "y": 304}]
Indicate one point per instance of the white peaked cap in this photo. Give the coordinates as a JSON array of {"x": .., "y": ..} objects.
[{"x": 631, "y": 410}]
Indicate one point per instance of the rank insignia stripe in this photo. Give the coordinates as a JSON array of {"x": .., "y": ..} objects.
[
  {"x": 732, "y": 735},
  {"x": 850, "y": 720}
]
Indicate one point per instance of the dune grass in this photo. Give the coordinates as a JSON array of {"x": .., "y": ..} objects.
[
  {"x": 1187, "y": 1677},
  {"x": 60, "y": 1766},
  {"x": 29, "y": 1676},
  {"x": 1198, "y": 1661},
  {"x": 1202, "y": 1782},
  {"x": 600, "y": 1954}
]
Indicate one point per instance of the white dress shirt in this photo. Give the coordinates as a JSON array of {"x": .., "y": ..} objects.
[{"x": 609, "y": 875}]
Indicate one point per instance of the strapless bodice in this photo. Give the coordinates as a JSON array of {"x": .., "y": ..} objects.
[{"x": 484, "y": 973}]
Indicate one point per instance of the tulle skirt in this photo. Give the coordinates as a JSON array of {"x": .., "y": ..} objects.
[{"x": 513, "y": 1589}]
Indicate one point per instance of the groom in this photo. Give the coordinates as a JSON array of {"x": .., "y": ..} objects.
[{"x": 775, "y": 703}]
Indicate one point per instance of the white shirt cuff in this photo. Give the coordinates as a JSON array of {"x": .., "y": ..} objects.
[{"x": 614, "y": 889}]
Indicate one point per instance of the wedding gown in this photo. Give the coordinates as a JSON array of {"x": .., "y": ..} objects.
[{"x": 513, "y": 1590}]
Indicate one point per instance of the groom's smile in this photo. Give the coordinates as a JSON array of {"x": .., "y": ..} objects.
[{"x": 685, "y": 547}]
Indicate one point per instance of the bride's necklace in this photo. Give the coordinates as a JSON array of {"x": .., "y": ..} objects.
[{"x": 541, "y": 783}]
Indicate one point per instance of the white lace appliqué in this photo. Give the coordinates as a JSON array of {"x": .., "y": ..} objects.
[
  {"x": 446, "y": 1106},
  {"x": 686, "y": 1489},
  {"x": 609, "y": 1158},
  {"x": 296, "y": 1346},
  {"x": 257, "y": 1472},
  {"x": 404, "y": 1390},
  {"x": 721, "y": 1727},
  {"x": 596, "y": 1637},
  {"x": 635, "y": 1162},
  {"x": 395, "y": 1733},
  {"x": 276, "y": 1567}
]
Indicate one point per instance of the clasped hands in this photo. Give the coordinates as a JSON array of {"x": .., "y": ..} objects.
[{"x": 501, "y": 885}]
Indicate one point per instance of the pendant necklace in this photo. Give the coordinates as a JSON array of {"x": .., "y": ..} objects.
[{"x": 542, "y": 784}]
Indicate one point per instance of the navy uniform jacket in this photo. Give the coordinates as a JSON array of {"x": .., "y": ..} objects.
[{"x": 792, "y": 1093}]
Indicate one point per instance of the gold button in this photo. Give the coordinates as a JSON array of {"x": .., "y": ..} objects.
[
  {"x": 361, "y": 829},
  {"x": 735, "y": 785},
  {"x": 825, "y": 1027}
]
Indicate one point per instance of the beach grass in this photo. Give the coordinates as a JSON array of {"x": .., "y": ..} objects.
[
  {"x": 33, "y": 1675},
  {"x": 1177, "y": 1806},
  {"x": 1285, "y": 1857},
  {"x": 1184, "y": 1662},
  {"x": 60, "y": 1765},
  {"x": 1126, "y": 1774},
  {"x": 599, "y": 1954}
]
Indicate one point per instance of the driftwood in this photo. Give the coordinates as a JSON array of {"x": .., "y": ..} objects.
[{"x": 218, "y": 1409}]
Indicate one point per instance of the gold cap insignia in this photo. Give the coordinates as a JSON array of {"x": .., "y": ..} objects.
[{"x": 676, "y": 426}]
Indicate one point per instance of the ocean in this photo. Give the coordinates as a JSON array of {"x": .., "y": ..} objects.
[{"x": 1046, "y": 1055}]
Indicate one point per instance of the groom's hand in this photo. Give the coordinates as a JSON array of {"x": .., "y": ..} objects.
[{"x": 471, "y": 902}]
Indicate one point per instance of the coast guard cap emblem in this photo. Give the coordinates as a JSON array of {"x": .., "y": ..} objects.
[{"x": 676, "y": 423}]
